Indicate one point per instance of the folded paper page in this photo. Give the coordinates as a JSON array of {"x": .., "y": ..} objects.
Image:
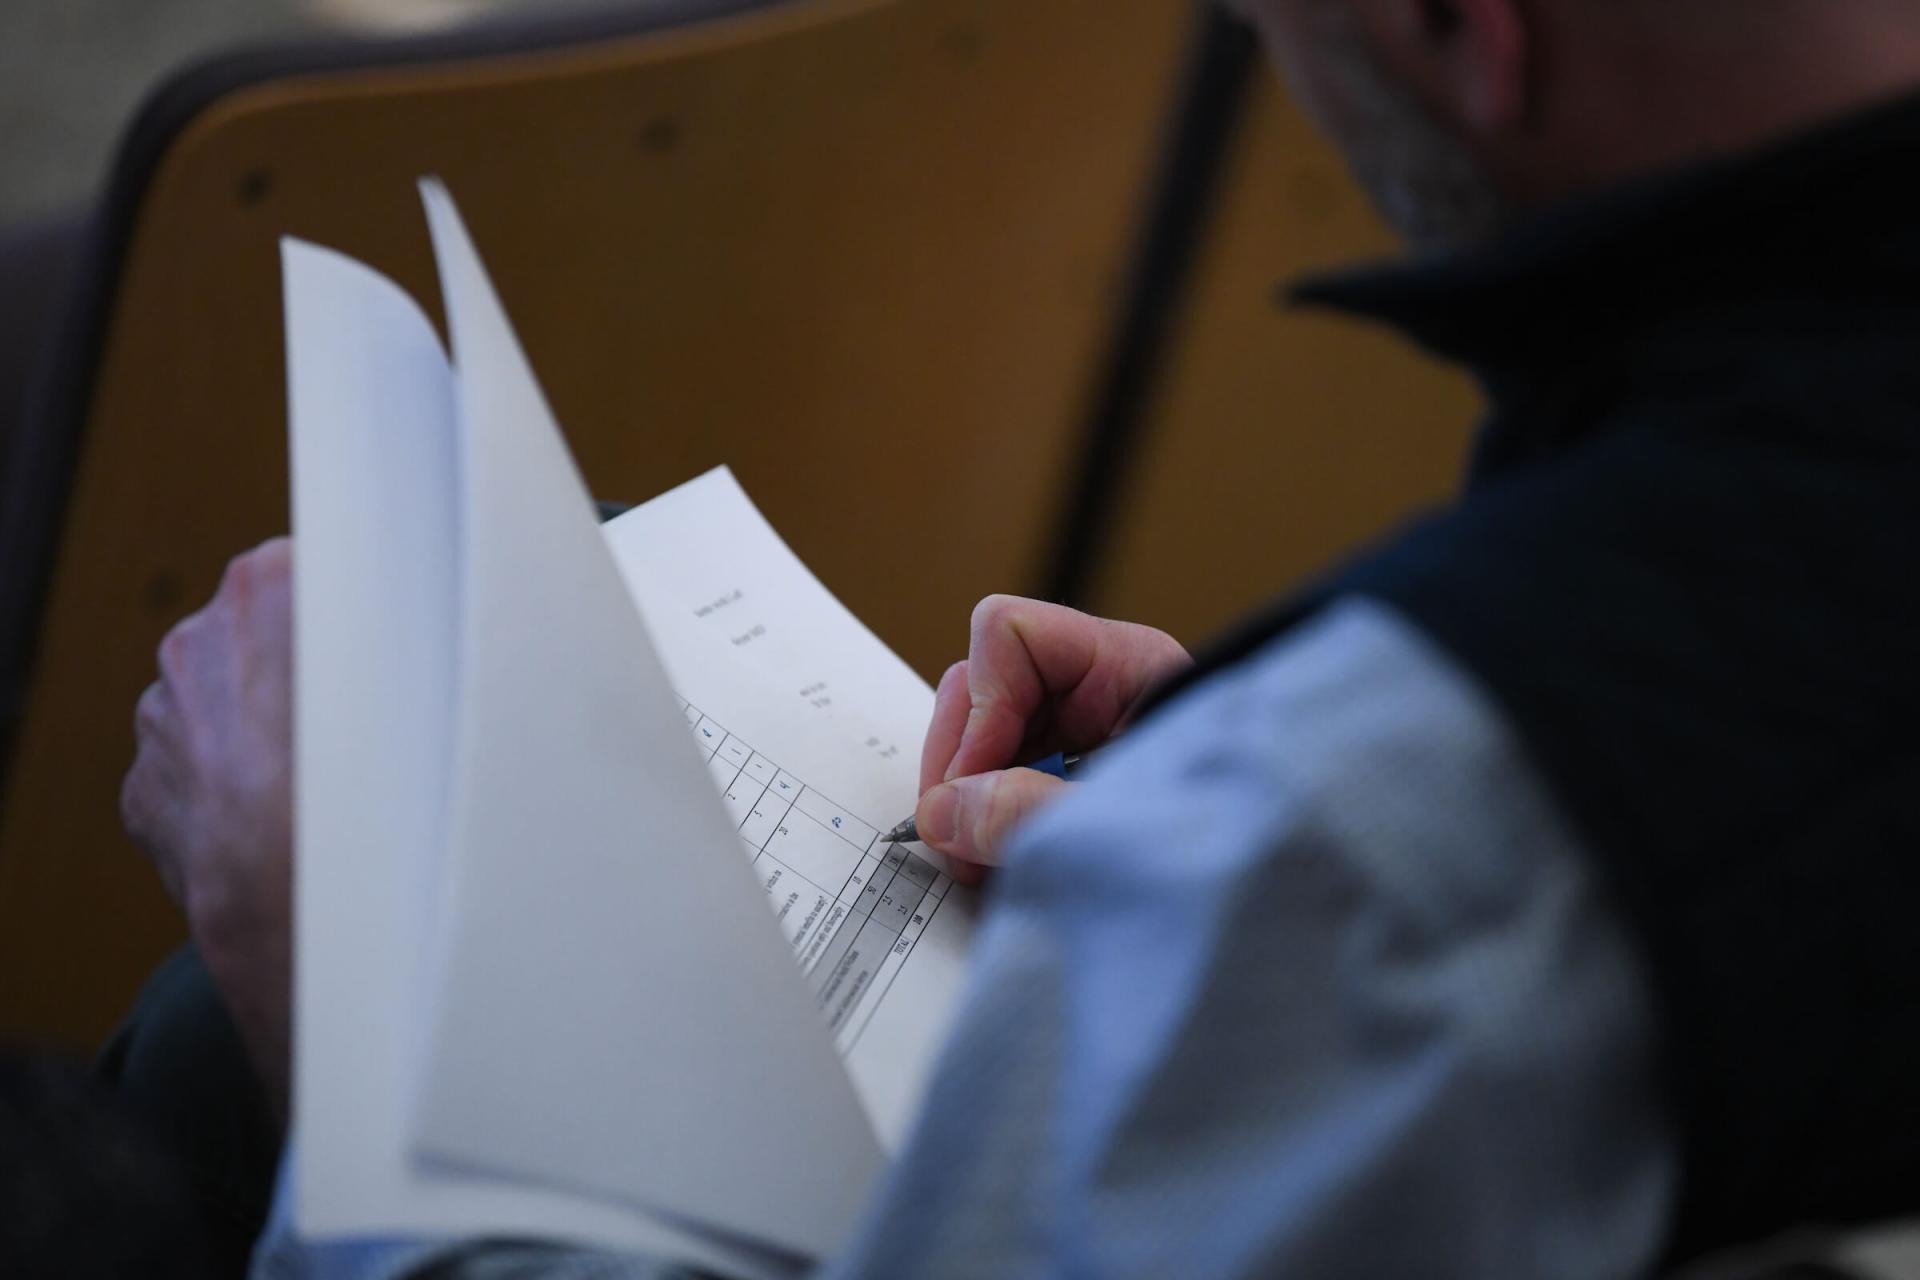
[
  {"x": 374, "y": 439},
  {"x": 613, "y": 1011}
]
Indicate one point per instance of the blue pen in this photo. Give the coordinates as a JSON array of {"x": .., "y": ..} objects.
[{"x": 1060, "y": 765}]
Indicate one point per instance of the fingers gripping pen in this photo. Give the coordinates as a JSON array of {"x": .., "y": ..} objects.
[{"x": 1060, "y": 765}]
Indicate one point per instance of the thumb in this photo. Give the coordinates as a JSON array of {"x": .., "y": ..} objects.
[{"x": 972, "y": 818}]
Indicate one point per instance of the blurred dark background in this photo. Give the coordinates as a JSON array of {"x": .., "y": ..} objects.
[{"x": 974, "y": 295}]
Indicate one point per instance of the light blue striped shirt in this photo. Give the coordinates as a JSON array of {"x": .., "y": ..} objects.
[{"x": 1308, "y": 978}]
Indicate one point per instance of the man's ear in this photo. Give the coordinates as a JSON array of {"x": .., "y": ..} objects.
[{"x": 1467, "y": 58}]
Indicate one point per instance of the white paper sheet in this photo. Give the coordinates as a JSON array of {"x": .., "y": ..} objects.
[
  {"x": 812, "y": 727},
  {"x": 375, "y": 475},
  {"x": 613, "y": 1013}
]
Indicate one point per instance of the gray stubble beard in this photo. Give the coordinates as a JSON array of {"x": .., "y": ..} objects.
[{"x": 1423, "y": 180}]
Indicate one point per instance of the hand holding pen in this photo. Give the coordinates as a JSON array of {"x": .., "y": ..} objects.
[{"x": 1039, "y": 679}]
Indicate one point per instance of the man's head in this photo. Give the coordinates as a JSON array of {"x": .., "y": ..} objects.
[{"x": 1456, "y": 113}]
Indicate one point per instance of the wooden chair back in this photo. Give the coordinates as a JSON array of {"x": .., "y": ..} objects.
[
  {"x": 866, "y": 252},
  {"x": 861, "y": 251}
]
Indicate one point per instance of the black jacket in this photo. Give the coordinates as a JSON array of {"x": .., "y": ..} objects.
[{"x": 1687, "y": 568}]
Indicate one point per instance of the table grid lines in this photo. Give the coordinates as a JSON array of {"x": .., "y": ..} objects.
[{"x": 853, "y": 940}]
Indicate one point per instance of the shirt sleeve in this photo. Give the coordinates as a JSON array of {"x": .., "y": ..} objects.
[
  {"x": 281, "y": 1254},
  {"x": 1309, "y": 978}
]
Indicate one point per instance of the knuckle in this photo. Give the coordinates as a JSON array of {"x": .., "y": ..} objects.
[
  {"x": 271, "y": 563},
  {"x": 993, "y": 610},
  {"x": 256, "y": 577},
  {"x": 238, "y": 579},
  {"x": 1164, "y": 645},
  {"x": 176, "y": 648},
  {"x": 954, "y": 682},
  {"x": 147, "y": 712}
]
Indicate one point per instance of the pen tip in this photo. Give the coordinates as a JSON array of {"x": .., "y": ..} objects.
[{"x": 905, "y": 833}]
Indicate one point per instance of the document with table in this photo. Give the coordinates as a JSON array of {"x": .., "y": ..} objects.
[{"x": 597, "y": 939}]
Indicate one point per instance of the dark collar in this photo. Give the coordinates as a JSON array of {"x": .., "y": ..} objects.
[
  {"x": 1738, "y": 245},
  {"x": 1703, "y": 636}
]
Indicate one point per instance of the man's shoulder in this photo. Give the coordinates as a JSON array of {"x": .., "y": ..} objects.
[{"x": 1351, "y": 736}]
